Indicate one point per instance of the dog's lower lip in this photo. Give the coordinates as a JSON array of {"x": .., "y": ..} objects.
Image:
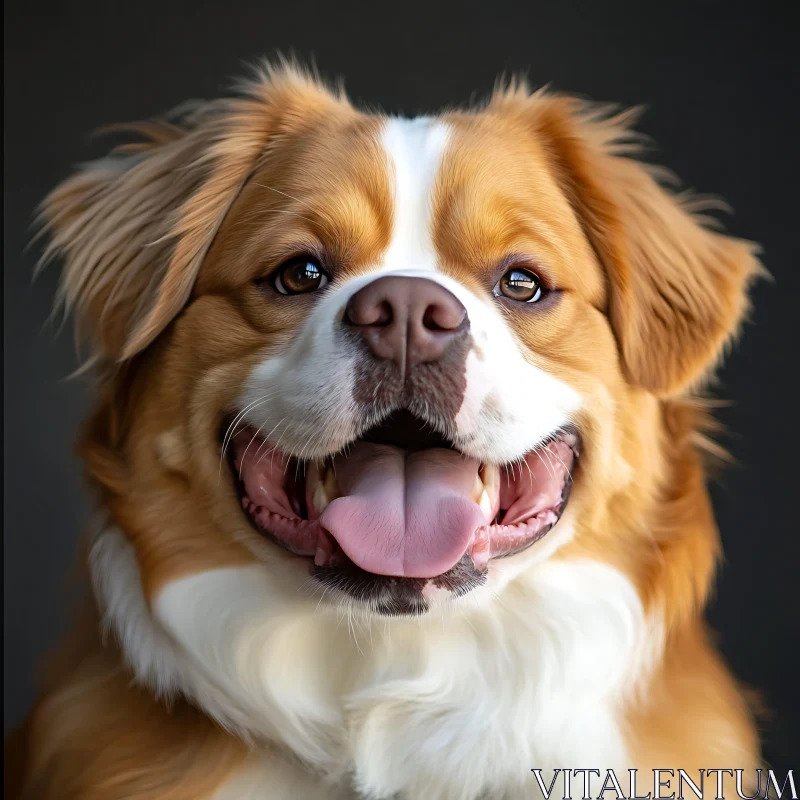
[{"x": 293, "y": 523}]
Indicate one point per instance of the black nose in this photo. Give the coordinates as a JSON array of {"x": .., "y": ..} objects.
[{"x": 406, "y": 320}]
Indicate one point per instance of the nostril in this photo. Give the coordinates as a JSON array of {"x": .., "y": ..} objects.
[
  {"x": 430, "y": 319},
  {"x": 443, "y": 317},
  {"x": 384, "y": 315},
  {"x": 359, "y": 314}
]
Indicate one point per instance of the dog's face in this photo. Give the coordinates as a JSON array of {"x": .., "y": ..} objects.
[
  {"x": 404, "y": 360},
  {"x": 420, "y": 313}
]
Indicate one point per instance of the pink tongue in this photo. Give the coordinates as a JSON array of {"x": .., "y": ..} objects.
[{"x": 403, "y": 514}]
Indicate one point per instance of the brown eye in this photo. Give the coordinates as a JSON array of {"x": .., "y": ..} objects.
[
  {"x": 519, "y": 284},
  {"x": 300, "y": 276}
]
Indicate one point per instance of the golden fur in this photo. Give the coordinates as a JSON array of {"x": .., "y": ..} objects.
[{"x": 162, "y": 249}]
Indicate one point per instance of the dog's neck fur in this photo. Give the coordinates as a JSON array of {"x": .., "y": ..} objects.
[{"x": 537, "y": 679}]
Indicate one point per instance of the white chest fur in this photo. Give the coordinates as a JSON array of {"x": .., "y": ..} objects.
[{"x": 453, "y": 706}]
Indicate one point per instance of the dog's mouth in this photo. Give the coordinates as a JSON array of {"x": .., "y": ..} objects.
[{"x": 402, "y": 503}]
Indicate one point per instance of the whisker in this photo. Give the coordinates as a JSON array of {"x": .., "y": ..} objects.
[
  {"x": 248, "y": 447},
  {"x": 561, "y": 461},
  {"x": 239, "y": 415},
  {"x": 265, "y": 439},
  {"x": 277, "y": 444},
  {"x": 230, "y": 432},
  {"x": 548, "y": 465}
]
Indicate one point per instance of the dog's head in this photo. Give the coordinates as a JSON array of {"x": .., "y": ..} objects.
[{"x": 398, "y": 360}]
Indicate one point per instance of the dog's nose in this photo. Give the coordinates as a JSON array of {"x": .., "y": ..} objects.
[{"x": 406, "y": 320}]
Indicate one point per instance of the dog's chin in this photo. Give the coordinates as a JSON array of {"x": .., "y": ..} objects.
[{"x": 400, "y": 520}]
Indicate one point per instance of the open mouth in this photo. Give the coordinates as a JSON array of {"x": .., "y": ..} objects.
[{"x": 403, "y": 504}]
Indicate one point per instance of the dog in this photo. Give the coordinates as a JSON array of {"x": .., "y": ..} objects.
[{"x": 399, "y": 455}]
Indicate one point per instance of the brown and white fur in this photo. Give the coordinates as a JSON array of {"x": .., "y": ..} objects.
[{"x": 213, "y": 666}]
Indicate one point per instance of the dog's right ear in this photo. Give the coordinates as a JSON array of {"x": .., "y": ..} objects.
[
  {"x": 133, "y": 228},
  {"x": 677, "y": 288}
]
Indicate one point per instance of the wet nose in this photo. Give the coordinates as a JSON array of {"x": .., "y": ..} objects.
[{"x": 406, "y": 320}]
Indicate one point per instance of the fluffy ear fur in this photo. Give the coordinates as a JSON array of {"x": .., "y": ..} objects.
[
  {"x": 133, "y": 228},
  {"x": 677, "y": 290}
]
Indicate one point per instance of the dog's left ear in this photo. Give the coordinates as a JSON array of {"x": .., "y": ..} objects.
[{"x": 677, "y": 290}]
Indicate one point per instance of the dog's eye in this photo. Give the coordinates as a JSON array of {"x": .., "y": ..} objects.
[
  {"x": 300, "y": 276},
  {"x": 519, "y": 284}
]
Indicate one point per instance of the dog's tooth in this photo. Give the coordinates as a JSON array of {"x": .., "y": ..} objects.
[
  {"x": 492, "y": 480},
  {"x": 320, "y": 499},
  {"x": 315, "y": 487},
  {"x": 486, "y": 505},
  {"x": 331, "y": 484},
  {"x": 477, "y": 489},
  {"x": 322, "y": 486},
  {"x": 490, "y": 474}
]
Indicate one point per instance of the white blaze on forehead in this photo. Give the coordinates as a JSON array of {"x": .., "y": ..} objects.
[{"x": 415, "y": 148}]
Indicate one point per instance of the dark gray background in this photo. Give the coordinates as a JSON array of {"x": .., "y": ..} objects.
[{"x": 722, "y": 86}]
